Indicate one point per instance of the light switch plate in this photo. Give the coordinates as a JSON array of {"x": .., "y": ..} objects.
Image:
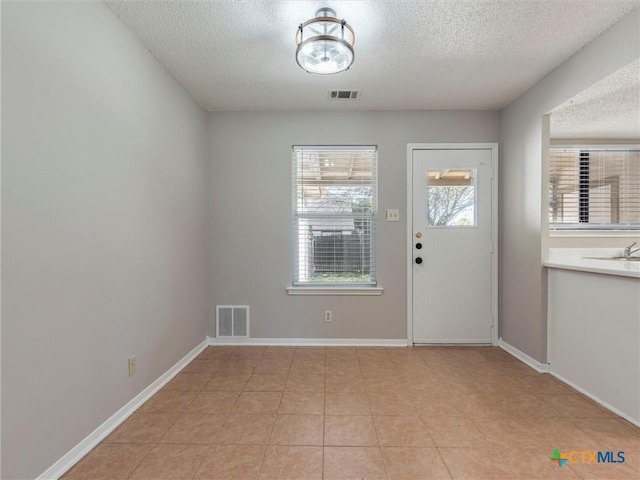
[{"x": 393, "y": 215}]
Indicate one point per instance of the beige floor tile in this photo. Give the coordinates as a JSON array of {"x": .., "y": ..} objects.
[
  {"x": 195, "y": 428},
  {"x": 423, "y": 385},
  {"x": 310, "y": 403},
  {"x": 310, "y": 353},
  {"x": 341, "y": 353},
  {"x": 391, "y": 404},
  {"x": 504, "y": 368},
  {"x": 175, "y": 462},
  {"x": 230, "y": 383},
  {"x": 218, "y": 352},
  {"x": 246, "y": 430},
  {"x": 314, "y": 367},
  {"x": 401, "y": 431},
  {"x": 248, "y": 352},
  {"x": 609, "y": 431},
  {"x": 349, "y": 430},
  {"x": 495, "y": 354},
  {"x": 213, "y": 402},
  {"x": 188, "y": 381},
  {"x": 575, "y": 406},
  {"x": 460, "y": 405},
  {"x": 266, "y": 382},
  {"x": 353, "y": 463},
  {"x": 542, "y": 385},
  {"x": 109, "y": 462},
  {"x": 464, "y": 357},
  {"x": 531, "y": 406},
  {"x": 607, "y": 471},
  {"x": 472, "y": 403},
  {"x": 509, "y": 432},
  {"x": 465, "y": 388},
  {"x": 305, "y": 382},
  {"x": 433, "y": 356},
  {"x": 454, "y": 432},
  {"x": 347, "y": 383},
  {"x": 257, "y": 402},
  {"x": 278, "y": 353},
  {"x": 534, "y": 464},
  {"x": 372, "y": 355},
  {"x": 384, "y": 369},
  {"x": 561, "y": 433},
  {"x": 298, "y": 430},
  {"x": 205, "y": 366},
  {"x": 169, "y": 401},
  {"x": 143, "y": 428},
  {"x": 231, "y": 462},
  {"x": 276, "y": 365},
  {"x": 451, "y": 372},
  {"x": 343, "y": 369},
  {"x": 383, "y": 384},
  {"x": 542, "y": 434},
  {"x": 414, "y": 463},
  {"x": 475, "y": 463},
  {"x": 236, "y": 366},
  {"x": 292, "y": 463},
  {"x": 346, "y": 403},
  {"x": 505, "y": 385}
]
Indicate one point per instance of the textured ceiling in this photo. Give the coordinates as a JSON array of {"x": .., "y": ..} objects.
[
  {"x": 610, "y": 109},
  {"x": 410, "y": 55}
]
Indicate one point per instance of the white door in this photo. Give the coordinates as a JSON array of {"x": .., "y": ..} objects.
[{"x": 452, "y": 274}]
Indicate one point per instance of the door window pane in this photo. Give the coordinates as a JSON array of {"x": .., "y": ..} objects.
[{"x": 451, "y": 198}]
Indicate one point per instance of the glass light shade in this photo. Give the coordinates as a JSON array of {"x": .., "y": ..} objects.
[
  {"x": 324, "y": 56},
  {"x": 325, "y": 44}
]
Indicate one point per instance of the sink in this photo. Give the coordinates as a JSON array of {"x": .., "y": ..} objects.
[{"x": 624, "y": 259}]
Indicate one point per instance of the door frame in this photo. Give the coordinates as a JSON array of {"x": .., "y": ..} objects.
[{"x": 411, "y": 147}]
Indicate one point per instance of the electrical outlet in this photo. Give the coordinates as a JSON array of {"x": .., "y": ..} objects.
[
  {"x": 393, "y": 215},
  {"x": 133, "y": 365},
  {"x": 328, "y": 316}
]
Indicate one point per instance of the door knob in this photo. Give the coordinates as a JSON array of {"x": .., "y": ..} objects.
[
  {"x": 418, "y": 260},
  {"x": 418, "y": 246}
]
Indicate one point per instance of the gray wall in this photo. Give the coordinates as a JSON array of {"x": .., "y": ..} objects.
[
  {"x": 251, "y": 239},
  {"x": 103, "y": 225},
  {"x": 523, "y": 232}
]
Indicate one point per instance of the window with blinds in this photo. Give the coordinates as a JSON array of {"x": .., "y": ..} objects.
[
  {"x": 334, "y": 207},
  {"x": 594, "y": 188}
]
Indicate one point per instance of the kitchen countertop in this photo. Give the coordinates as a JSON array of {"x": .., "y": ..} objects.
[{"x": 574, "y": 259}]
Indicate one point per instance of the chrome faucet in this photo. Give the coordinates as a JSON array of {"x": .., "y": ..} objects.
[{"x": 628, "y": 252}]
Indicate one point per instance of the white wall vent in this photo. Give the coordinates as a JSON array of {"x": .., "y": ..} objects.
[
  {"x": 344, "y": 94},
  {"x": 232, "y": 321}
]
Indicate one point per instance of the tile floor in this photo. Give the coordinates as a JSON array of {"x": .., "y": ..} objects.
[{"x": 270, "y": 413}]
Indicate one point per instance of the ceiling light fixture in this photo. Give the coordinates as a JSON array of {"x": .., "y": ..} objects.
[{"x": 325, "y": 44}]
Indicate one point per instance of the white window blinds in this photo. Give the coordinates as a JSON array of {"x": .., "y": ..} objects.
[
  {"x": 334, "y": 206},
  {"x": 594, "y": 188}
]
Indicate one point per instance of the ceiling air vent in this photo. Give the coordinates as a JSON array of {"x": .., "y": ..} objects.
[{"x": 344, "y": 94}]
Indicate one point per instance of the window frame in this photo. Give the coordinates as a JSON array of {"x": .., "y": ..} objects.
[
  {"x": 585, "y": 229},
  {"x": 336, "y": 287}
]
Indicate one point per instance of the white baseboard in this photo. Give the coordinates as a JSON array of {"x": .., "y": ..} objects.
[
  {"x": 311, "y": 342},
  {"x": 523, "y": 357},
  {"x": 634, "y": 421},
  {"x": 94, "y": 438},
  {"x": 452, "y": 341}
]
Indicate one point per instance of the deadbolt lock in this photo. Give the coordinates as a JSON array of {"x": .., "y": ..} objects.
[{"x": 419, "y": 235}]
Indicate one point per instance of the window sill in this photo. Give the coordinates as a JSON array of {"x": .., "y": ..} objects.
[
  {"x": 363, "y": 291},
  {"x": 594, "y": 233}
]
